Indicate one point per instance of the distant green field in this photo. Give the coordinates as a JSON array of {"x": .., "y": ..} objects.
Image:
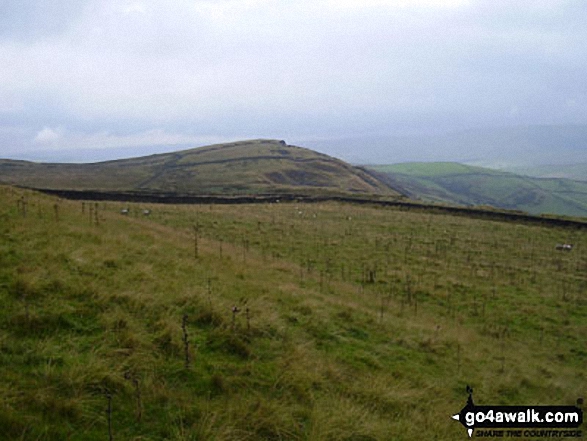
[
  {"x": 283, "y": 321},
  {"x": 468, "y": 185},
  {"x": 434, "y": 169}
]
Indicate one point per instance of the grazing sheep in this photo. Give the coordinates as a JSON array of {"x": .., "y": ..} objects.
[
  {"x": 564, "y": 246},
  {"x": 146, "y": 212},
  {"x": 124, "y": 211}
]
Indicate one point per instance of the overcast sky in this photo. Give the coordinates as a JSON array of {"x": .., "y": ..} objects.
[{"x": 79, "y": 74}]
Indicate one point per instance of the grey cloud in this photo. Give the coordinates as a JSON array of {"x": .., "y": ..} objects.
[
  {"x": 26, "y": 20},
  {"x": 270, "y": 67}
]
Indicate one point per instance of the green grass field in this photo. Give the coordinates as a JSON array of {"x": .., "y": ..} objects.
[
  {"x": 448, "y": 182},
  {"x": 353, "y": 322}
]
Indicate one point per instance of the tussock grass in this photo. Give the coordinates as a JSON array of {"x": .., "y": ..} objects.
[{"x": 354, "y": 323}]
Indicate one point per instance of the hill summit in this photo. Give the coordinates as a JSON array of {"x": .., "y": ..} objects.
[{"x": 244, "y": 167}]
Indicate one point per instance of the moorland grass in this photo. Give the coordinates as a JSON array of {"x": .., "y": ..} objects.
[{"x": 353, "y": 322}]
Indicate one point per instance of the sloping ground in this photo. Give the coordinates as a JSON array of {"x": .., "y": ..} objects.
[
  {"x": 469, "y": 185},
  {"x": 352, "y": 322},
  {"x": 247, "y": 167}
]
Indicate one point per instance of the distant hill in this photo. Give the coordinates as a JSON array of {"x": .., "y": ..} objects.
[
  {"x": 494, "y": 147},
  {"x": 454, "y": 183},
  {"x": 245, "y": 167},
  {"x": 577, "y": 171}
]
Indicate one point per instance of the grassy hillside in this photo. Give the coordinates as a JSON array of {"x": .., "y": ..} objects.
[
  {"x": 247, "y": 167},
  {"x": 469, "y": 185},
  {"x": 353, "y": 322}
]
